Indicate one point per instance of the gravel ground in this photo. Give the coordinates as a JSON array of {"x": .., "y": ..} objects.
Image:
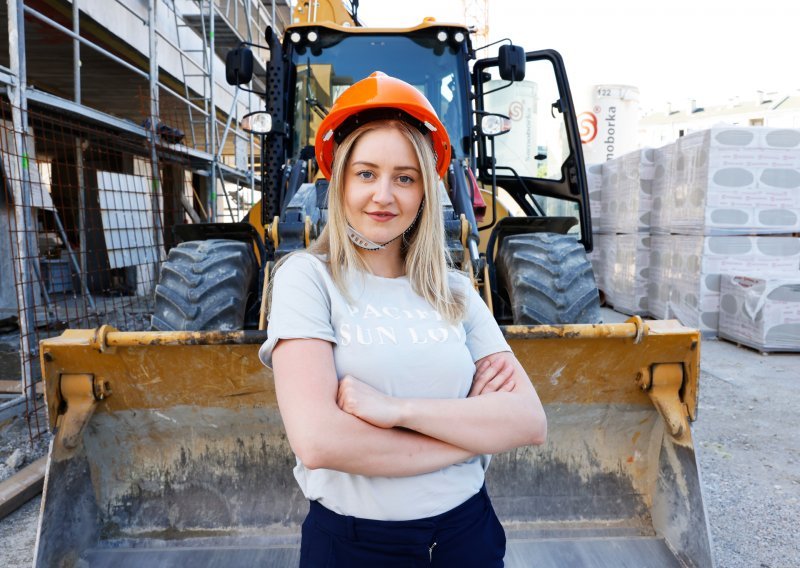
[
  {"x": 746, "y": 439},
  {"x": 16, "y": 450},
  {"x": 748, "y": 446},
  {"x": 18, "y": 535},
  {"x": 18, "y": 530}
]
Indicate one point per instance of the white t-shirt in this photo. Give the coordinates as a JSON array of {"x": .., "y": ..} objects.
[{"x": 394, "y": 340}]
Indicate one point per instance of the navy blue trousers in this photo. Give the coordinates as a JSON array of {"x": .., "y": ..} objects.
[{"x": 467, "y": 536}]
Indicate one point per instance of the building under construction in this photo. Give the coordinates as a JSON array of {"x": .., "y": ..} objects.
[{"x": 116, "y": 124}]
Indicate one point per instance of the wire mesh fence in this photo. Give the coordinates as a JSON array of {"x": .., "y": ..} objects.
[{"x": 86, "y": 217}]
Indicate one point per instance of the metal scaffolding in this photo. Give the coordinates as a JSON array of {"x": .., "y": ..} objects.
[{"x": 117, "y": 124}]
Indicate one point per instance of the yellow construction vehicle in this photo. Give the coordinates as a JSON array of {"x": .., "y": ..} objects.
[{"x": 169, "y": 448}]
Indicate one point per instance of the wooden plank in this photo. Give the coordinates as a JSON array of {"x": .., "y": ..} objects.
[
  {"x": 12, "y": 408},
  {"x": 10, "y": 386},
  {"x": 22, "y": 487},
  {"x": 15, "y": 387}
]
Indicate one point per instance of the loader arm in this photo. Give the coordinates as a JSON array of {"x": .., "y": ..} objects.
[{"x": 177, "y": 455}]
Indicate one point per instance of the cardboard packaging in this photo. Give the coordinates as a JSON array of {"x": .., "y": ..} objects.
[{"x": 761, "y": 312}]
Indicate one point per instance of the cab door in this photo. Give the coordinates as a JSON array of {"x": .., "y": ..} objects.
[{"x": 539, "y": 162}]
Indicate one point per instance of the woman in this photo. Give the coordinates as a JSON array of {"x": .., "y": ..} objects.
[{"x": 393, "y": 379}]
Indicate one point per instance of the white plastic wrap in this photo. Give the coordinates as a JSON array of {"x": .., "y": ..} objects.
[
  {"x": 686, "y": 269},
  {"x": 763, "y": 313},
  {"x": 733, "y": 181},
  {"x": 630, "y": 273},
  {"x": 662, "y": 164},
  {"x": 658, "y": 281},
  {"x": 602, "y": 259},
  {"x": 594, "y": 181},
  {"x": 627, "y": 193}
]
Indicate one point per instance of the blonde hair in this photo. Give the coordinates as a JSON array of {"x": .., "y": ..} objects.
[{"x": 424, "y": 249}]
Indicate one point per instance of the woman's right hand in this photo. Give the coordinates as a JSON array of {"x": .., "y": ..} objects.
[
  {"x": 492, "y": 374},
  {"x": 322, "y": 436},
  {"x": 368, "y": 404}
]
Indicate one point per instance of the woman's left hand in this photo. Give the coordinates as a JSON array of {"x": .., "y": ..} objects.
[
  {"x": 493, "y": 373},
  {"x": 364, "y": 402}
]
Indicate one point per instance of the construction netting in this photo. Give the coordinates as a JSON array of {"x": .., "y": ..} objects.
[{"x": 86, "y": 219}]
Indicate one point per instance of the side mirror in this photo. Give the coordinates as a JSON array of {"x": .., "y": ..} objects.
[
  {"x": 511, "y": 62},
  {"x": 239, "y": 66},
  {"x": 494, "y": 125},
  {"x": 258, "y": 122}
]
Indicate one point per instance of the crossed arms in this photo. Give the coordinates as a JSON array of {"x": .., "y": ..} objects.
[{"x": 348, "y": 426}]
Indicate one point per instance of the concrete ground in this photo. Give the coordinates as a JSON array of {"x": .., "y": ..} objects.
[{"x": 748, "y": 447}]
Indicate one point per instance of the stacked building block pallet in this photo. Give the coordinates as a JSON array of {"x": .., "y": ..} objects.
[{"x": 716, "y": 205}]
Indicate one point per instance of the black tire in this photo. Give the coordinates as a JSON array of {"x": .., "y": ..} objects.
[
  {"x": 548, "y": 280},
  {"x": 204, "y": 285}
]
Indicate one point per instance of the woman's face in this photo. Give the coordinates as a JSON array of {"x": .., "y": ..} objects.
[{"x": 383, "y": 185}]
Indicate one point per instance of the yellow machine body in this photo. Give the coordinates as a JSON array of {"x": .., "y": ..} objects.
[{"x": 169, "y": 450}]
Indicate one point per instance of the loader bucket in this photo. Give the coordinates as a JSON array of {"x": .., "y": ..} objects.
[{"x": 169, "y": 451}]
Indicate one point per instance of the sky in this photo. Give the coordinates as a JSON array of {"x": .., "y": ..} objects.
[{"x": 671, "y": 50}]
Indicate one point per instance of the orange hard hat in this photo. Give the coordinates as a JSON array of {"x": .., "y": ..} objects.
[{"x": 380, "y": 97}]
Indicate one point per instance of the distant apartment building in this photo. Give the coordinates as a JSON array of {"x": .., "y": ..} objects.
[{"x": 764, "y": 109}]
